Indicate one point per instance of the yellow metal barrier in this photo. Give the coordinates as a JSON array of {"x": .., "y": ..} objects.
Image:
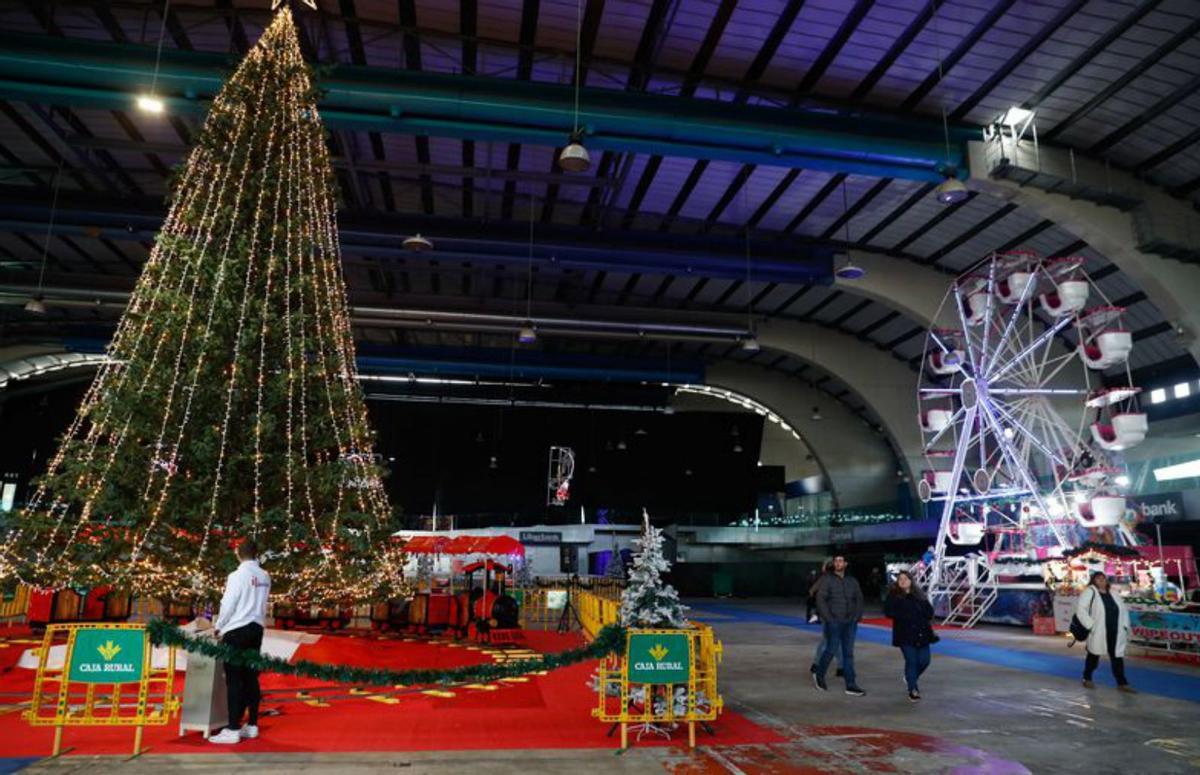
[
  {"x": 536, "y": 613},
  {"x": 596, "y": 611},
  {"x": 624, "y": 701},
  {"x": 115, "y": 656}
]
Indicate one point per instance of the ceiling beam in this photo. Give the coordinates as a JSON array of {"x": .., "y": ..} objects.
[{"x": 107, "y": 75}]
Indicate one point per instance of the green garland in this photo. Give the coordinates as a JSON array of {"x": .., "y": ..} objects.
[{"x": 609, "y": 640}]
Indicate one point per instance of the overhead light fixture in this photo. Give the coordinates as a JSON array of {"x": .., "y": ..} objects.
[
  {"x": 621, "y": 445},
  {"x": 1016, "y": 115},
  {"x": 527, "y": 335},
  {"x": 591, "y": 469},
  {"x": 850, "y": 271},
  {"x": 417, "y": 243},
  {"x": 36, "y": 306},
  {"x": 737, "y": 446},
  {"x": 148, "y": 103},
  {"x": 640, "y": 432},
  {"x": 951, "y": 190},
  {"x": 493, "y": 464},
  {"x": 687, "y": 472},
  {"x": 750, "y": 344},
  {"x": 1179, "y": 471},
  {"x": 575, "y": 158},
  {"x": 816, "y": 414}
]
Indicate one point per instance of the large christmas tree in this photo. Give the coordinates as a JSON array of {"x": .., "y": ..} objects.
[{"x": 230, "y": 406}]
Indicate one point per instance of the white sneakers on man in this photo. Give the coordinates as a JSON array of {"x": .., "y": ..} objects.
[
  {"x": 226, "y": 737},
  {"x": 230, "y": 736}
]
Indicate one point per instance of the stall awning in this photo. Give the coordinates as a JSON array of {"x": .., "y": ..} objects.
[
  {"x": 427, "y": 545},
  {"x": 465, "y": 544}
]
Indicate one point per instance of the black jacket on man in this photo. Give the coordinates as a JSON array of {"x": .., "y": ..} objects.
[
  {"x": 911, "y": 617},
  {"x": 839, "y": 598}
]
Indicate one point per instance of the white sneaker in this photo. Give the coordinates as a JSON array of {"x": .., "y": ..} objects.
[
  {"x": 249, "y": 732},
  {"x": 226, "y": 737}
]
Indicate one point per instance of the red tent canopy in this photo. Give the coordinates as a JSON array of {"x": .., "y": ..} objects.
[
  {"x": 505, "y": 545},
  {"x": 465, "y": 544},
  {"x": 427, "y": 545}
]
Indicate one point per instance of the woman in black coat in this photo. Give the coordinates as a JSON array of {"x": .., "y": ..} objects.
[{"x": 912, "y": 628}]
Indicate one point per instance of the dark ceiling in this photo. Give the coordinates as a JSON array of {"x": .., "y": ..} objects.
[{"x": 1115, "y": 80}]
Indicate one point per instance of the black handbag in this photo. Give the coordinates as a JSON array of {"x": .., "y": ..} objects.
[{"x": 1078, "y": 631}]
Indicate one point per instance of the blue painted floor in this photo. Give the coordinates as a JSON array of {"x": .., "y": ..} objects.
[
  {"x": 15, "y": 765},
  {"x": 1148, "y": 680}
]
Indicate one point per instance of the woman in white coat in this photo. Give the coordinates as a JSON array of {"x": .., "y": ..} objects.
[{"x": 1107, "y": 621}]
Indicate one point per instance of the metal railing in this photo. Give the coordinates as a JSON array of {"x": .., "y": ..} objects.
[{"x": 963, "y": 592}]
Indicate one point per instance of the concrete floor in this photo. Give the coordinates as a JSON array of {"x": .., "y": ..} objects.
[{"x": 976, "y": 717}]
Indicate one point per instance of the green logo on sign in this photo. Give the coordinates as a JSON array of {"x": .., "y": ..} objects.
[
  {"x": 658, "y": 659},
  {"x": 107, "y": 656}
]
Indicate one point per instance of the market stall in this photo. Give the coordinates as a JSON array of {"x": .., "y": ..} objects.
[{"x": 1155, "y": 582}]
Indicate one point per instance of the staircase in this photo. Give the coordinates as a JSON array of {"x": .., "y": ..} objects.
[{"x": 965, "y": 591}]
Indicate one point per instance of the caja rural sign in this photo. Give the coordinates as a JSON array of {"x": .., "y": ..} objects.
[
  {"x": 108, "y": 656},
  {"x": 659, "y": 658}
]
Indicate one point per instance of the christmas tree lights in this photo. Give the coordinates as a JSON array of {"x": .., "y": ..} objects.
[{"x": 230, "y": 406}]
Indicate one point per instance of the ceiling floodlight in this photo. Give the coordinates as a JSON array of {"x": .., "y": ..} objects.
[
  {"x": 951, "y": 190},
  {"x": 575, "y": 158},
  {"x": 36, "y": 306},
  {"x": 417, "y": 243},
  {"x": 527, "y": 335},
  {"x": 1015, "y": 115},
  {"x": 850, "y": 271},
  {"x": 148, "y": 103}
]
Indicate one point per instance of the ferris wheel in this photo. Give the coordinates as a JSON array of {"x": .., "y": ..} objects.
[{"x": 1023, "y": 408}]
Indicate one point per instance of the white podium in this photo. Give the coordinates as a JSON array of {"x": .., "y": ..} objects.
[{"x": 205, "y": 707}]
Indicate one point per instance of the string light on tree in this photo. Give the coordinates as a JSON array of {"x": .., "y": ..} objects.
[{"x": 230, "y": 404}]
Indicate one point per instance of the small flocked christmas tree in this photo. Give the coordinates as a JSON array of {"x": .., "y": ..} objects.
[
  {"x": 648, "y": 601},
  {"x": 230, "y": 405}
]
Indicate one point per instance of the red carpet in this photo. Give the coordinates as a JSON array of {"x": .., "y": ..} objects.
[{"x": 548, "y": 711}]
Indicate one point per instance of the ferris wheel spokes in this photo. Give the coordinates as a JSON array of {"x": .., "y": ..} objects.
[
  {"x": 1033, "y": 490},
  {"x": 1046, "y": 337},
  {"x": 1028, "y": 436}
]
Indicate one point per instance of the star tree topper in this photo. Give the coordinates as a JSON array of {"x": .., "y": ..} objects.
[{"x": 276, "y": 3}]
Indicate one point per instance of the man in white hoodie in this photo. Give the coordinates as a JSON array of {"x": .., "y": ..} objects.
[{"x": 240, "y": 624}]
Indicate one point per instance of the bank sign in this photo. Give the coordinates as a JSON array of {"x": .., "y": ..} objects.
[
  {"x": 659, "y": 659},
  {"x": 107, "y": 656},
  {"x": 1162, "y": 507}
]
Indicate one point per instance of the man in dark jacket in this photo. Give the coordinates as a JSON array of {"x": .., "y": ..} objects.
[{"x": 840, "y": 604}]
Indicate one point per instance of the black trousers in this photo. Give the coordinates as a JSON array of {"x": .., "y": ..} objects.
[
  {"x": 1092, "y": 661},
  {"x": 242, "y": 682}
]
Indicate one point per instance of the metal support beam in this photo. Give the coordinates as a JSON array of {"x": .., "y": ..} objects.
[
  {"x": 717, "y": 256},
  {"x": 86, "y": 73}
]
